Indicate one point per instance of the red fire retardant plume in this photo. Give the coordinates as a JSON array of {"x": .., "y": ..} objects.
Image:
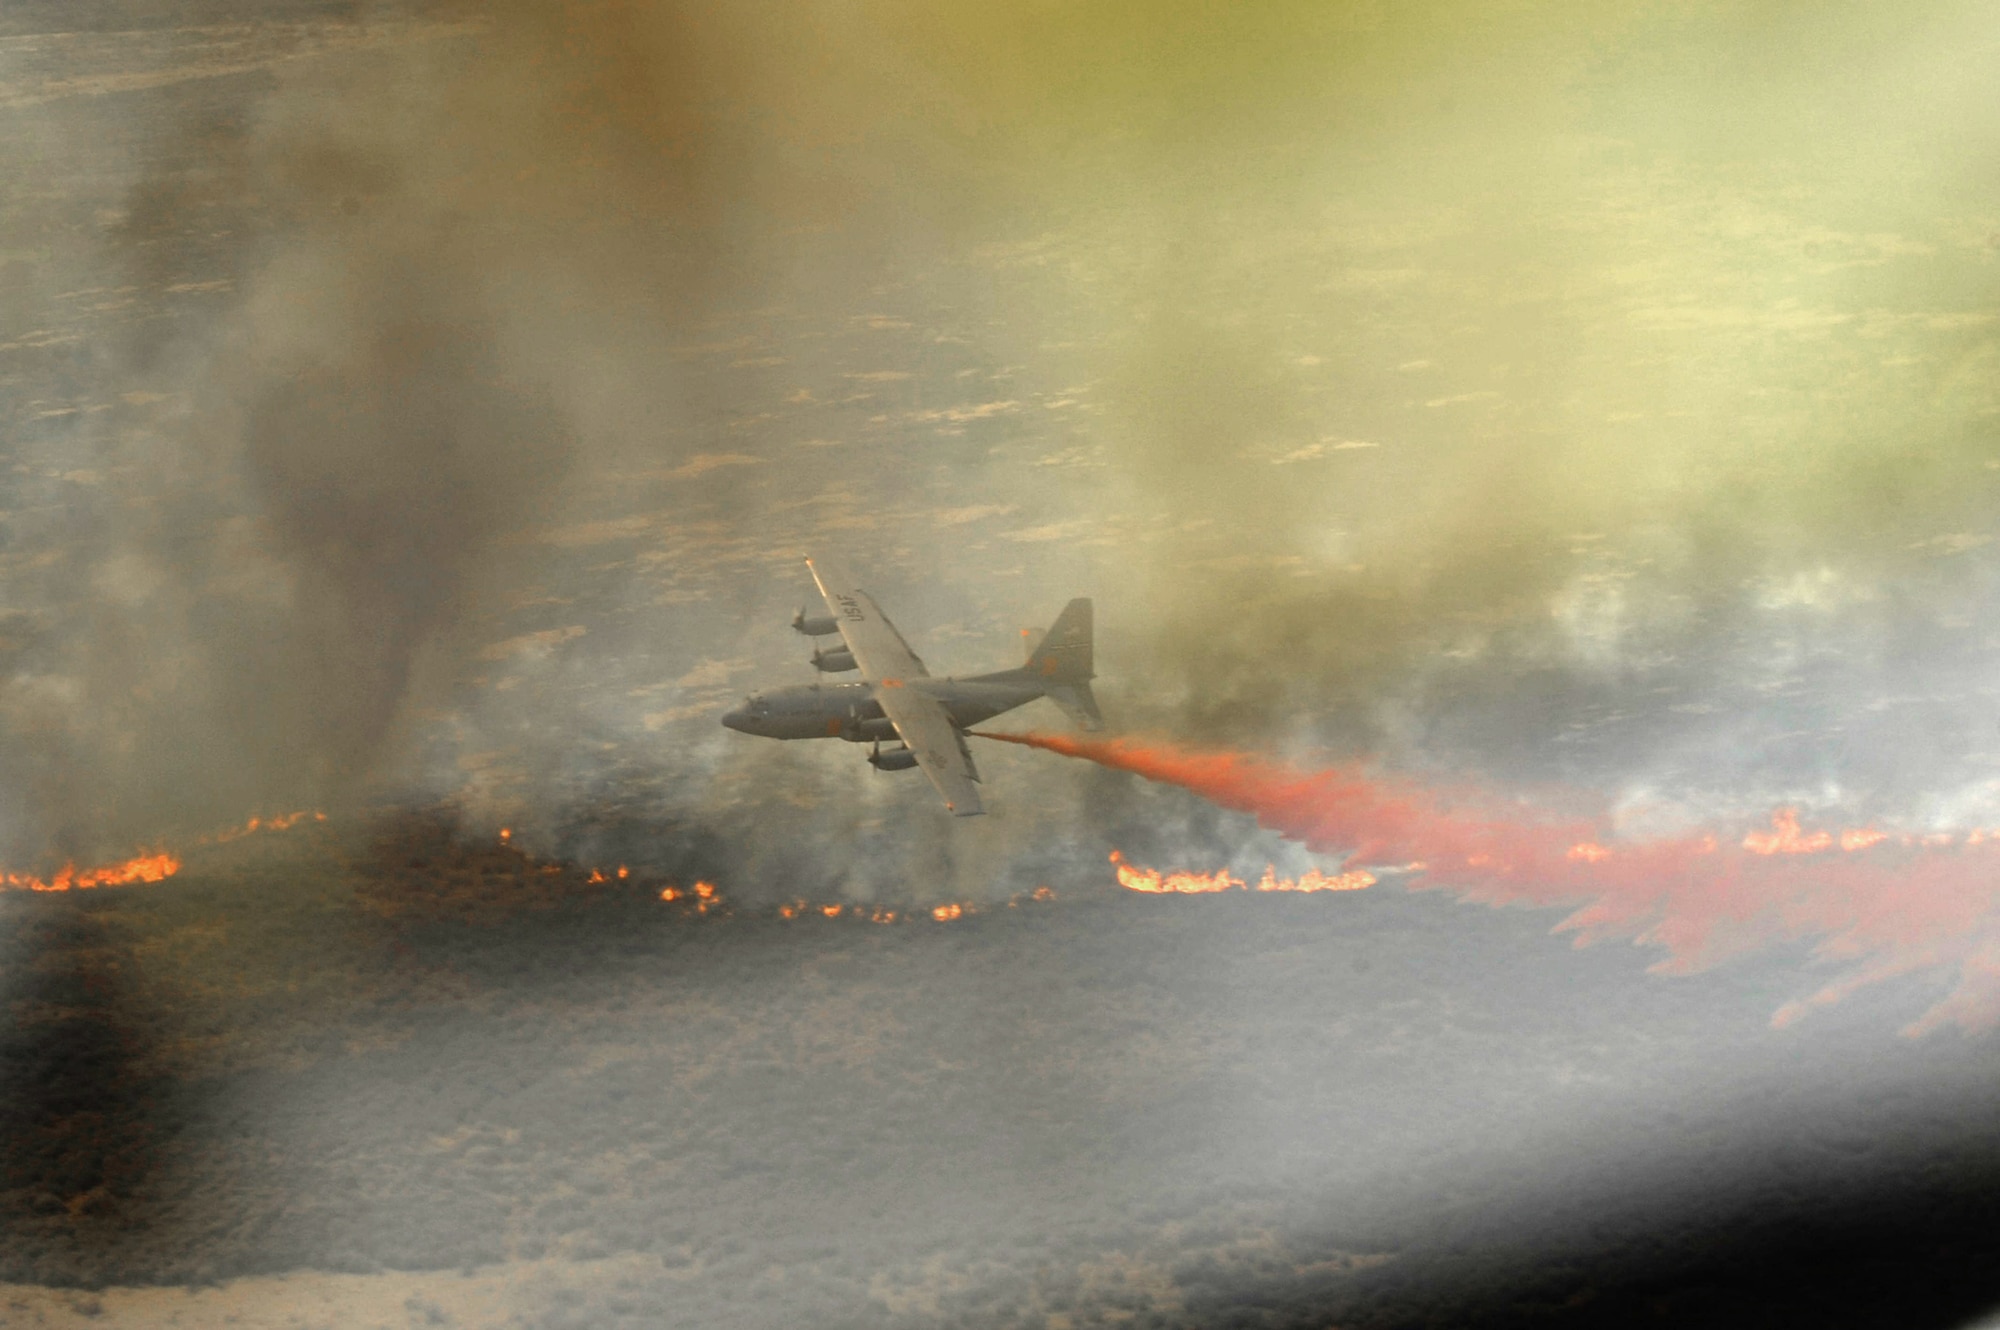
[{"x": 1887, "y": 903}]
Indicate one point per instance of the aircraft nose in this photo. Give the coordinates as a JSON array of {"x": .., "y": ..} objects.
[{"x": 738, "y": 719}]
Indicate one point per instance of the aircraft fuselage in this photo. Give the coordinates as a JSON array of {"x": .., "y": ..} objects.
[{"x": 849, "y": 710}]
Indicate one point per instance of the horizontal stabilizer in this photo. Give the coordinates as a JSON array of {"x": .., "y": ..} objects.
[{"x": 1077, "y": 703}]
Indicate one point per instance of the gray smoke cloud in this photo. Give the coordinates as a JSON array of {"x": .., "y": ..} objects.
[
  {"x": 387, "y": 281},
  {"x": 483, "y": 374}
]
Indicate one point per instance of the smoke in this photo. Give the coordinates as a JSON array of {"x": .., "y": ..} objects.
[
  {"x": 1485, "y": 408},
  {"x": 1883, "y": 905},
  {"x": 348, "y": 350},
  {"x": 461, "y": 386},
  {"x": 400, "y": 283}
]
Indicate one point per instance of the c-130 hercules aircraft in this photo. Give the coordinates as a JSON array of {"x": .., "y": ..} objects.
[{"x": 898, "y": 699}]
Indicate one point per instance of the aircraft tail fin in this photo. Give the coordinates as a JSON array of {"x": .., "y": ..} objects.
[
  {"x": 1077, "y": 703},
  {"x": 1064, "y": 655},
  {"x": 1060, "y": 667}
]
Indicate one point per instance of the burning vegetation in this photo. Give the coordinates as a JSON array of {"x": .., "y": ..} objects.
[
  {"x": 151, "y": 866},
  {"x": 142, "y": 868},
  {"x": 1152, "y": 880},
  {"x": 702, "y": 895}
]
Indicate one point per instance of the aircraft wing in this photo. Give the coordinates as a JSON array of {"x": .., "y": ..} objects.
[
  {"x": 887, "y": 664},
  {"x": 877, "y": 647},
  {"x": 928, "y": 733}
]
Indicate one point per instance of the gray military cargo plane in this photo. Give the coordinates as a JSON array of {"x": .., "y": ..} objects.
[{"x": 897, "y": 699}]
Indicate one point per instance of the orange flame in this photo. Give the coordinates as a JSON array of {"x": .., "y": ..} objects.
[
  {"x": 860, "y": 913},
  {"x": 703, "y": 896},
  {"x": 144, "y": 868},
  {"x": 154, "y": 867},
  {"x": 879, "y": 914},
  {"x": 1153, "y": 881},
  {"x": 282, "y": 822},
  {"x": 1894, "y": 903},
  {"x": 1314, "y": 880}
]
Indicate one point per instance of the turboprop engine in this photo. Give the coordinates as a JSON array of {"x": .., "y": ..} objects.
[
  {"x": 818, "y": 625},
  {"x": 833, "y": 662},
  {"x": 896, "y": 759}
]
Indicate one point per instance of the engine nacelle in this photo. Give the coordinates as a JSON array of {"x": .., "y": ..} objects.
[
  {"x": 820, "y": 625},
  {"x": 834, "y": 662},
  {"x": 896, "y": 759}
]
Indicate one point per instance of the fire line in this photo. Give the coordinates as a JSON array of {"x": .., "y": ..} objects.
[{"x": 155, "y": 866}]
